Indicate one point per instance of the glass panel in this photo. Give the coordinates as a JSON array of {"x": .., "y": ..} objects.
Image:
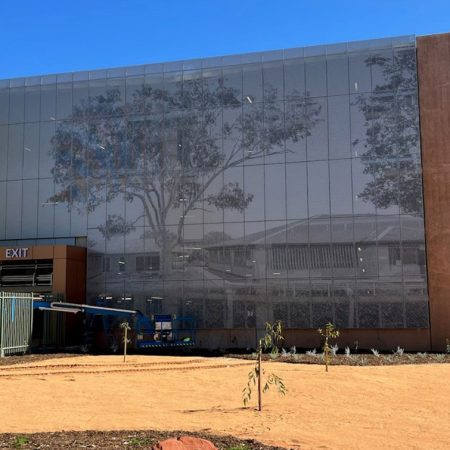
[
  {"x": 215, "y": 310},
  {"x": 363, "y": 195},
  {"x": 32, "y": 103},
  {"x": 97, "y": 265},
  {"x": 359, "y": 72},
  {"x": 173, "y": 83},
  {"x": 31, "y": 151},
  {"x": 297, "y": 191},
  {"x": 337, "y": 75},
  {"x": 78, "y": 219},
  {"x": 64, "y": 100},
  {"x": 274, "y": 132},
  {"x": 13, "y": 210},
  {"x": 392, "y": 313},
  {"x": 97, "y": 91},
  {"x": 412, "y": 229},
  {"x": 30, "y": 208},
  {"x": 194, "y": 257},
  {"x": 300, "y": 313},
  {"x": 384, "y": 190},
  {"x": 252, "y": 83},
  {"x": 48, "y": 103},
  {"x": 361, "y": 124},
  {"x": 389, "y": 252},
  {"x": 62, "y": 220},
  {"x": 405, "y": 63},
  {"x": 317, "y": 141},
  {"x": 316, "y": 77},
  {"x": 318, "y": 189},
  {"x": 321, "y": 255},
  {"x": 416, "y": 314},
  {"x": 381, "y": 64},
  {"x": 233, "y": 149},
  {"x": 413, "y": 261},
  {"x": 365, "y": 230},
  {"x": 341, "y": 187},
  {"x": 276, "y": 251},
  {"x": 17, "y": 105},
  {"x": 254, "y": 189},
  {"x": 46, "y": 212},
  {"x": 192, "y": 89},
  {"x": 294, "y": 78},
  {"x": 3, "y": 152},
  {"x": 15, "y": 152},
  {"x": 47, "y": 131},
  {"x": 152, "y": 99},
  {"x": 134, "y": 94},
  {"x": 3, "y": 210},
  {"x": 4, "y": 106},
  {"x": 298, "y": 252},
  {"x": 232, "y": 197},
  {"x": 212, "y": 210},
  {"x": 368, "y": 309},
  {"x": 344, "y": 307},
  {"x": 339, "y": 127},
  {"x": 410, "y": 186},
  {"x": 275, "y": 192},
  {"x": 212, "y": 81},
  {"x": 322, "y": 307},
  {"x": 117, "y": 86},
  {"x": 298, "y": 112},
  {"x": 273, "y": 81},
  {"x": 97, "y": 214},
  {"x": 80, "y": 95}
]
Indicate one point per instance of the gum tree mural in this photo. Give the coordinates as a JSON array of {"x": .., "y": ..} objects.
[
  {"x": 391, "y": 142},
  {"x": 163, "y": 149}
]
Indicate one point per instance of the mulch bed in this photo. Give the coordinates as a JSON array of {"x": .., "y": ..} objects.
[
  {"x": 118, "y": 439},
  {"x": 355, "y": 359},
  {"x": 32, "y": 358},
  {"x": 359, "y": 359}
]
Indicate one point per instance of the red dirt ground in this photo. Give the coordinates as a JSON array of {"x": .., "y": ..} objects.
[{"x": 383, "y": 407}]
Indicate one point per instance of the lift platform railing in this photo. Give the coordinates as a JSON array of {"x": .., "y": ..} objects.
[{"x": 163, "y": 330}]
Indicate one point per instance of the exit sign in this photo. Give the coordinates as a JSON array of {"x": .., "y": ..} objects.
[{"x": 16, "y": 252}]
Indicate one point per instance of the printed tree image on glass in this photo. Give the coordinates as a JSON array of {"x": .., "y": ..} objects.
[
  {"x": 391, "y": 144},
  {"x": 163, "y": 148}
]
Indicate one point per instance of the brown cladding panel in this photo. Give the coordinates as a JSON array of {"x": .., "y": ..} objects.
[
  {"x": 433, "y": 58},
  {"x": 69, "y": 269},
  {"x": 412, "y": 340}
]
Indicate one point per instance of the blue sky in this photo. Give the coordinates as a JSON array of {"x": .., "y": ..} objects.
[{"x": 52, "y": 36}]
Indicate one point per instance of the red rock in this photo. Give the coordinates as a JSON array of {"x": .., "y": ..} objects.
[{"x": 184, "y": 443}]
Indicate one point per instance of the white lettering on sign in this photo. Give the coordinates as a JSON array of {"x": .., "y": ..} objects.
[{"x": 16, "y": 252}]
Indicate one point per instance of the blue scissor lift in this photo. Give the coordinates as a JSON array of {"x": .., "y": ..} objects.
[{"x": 159, "y": 331}]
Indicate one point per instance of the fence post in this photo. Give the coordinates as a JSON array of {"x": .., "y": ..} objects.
[{"x": 2, "y": 353}]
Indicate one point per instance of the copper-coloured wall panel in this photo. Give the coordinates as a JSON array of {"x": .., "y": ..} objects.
[{"x": 433, "y": 54}]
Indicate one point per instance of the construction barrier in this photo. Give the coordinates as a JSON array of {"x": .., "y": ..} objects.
[{"x": 16, "y": 322}]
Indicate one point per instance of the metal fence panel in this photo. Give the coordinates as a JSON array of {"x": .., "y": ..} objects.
[{"x": 16, "y": 322}]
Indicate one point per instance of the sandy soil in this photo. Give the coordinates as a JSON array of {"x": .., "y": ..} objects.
[{"x": 347, "y": 408}]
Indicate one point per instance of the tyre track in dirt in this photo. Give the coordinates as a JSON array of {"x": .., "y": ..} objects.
[
  {"x": 40, "y": 371},
  {"x": 52, "y": 366}
]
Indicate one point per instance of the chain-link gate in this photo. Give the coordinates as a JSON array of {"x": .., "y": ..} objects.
[{"x": 16, "y": 322}]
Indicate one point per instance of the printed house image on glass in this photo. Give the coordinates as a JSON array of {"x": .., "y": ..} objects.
[{"x": 236, "y": 190}]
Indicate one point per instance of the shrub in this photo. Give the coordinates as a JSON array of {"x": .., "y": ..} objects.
[
  {"x": 329, "y": 332},
  {"x": 269, "y": 341}
]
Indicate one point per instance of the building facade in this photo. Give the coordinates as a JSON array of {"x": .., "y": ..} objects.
[{"x": 239, "y": 190}]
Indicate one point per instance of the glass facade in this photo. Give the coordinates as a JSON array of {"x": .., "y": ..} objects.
[{"x": 244, "y": 189}]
